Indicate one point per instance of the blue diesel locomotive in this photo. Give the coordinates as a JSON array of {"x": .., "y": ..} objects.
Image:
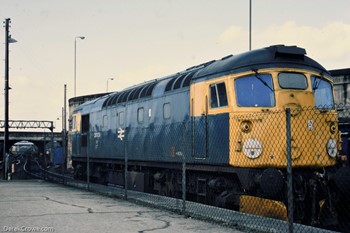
[{"x": 220, "y": 117}]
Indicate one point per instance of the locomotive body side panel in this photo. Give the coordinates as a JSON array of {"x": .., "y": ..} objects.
[
  {"x": 142, "y": 127},
  {"x": 159, "y": 137}
]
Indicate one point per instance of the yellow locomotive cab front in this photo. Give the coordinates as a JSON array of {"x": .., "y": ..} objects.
[{"x": 258, "y": 126}]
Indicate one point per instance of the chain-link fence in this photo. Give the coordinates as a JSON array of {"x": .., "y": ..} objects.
[{"x": 271, "y": 171}]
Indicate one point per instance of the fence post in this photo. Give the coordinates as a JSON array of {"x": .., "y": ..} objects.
[
  {"x": 183, "y": 185},
  {"x": 88, "y": 162},
  {"x": 6, "y": 160},
  {"x": 185, "y": 144},
  {"x": 125, "y": 165},
  {"x": 289, "y": 170}
]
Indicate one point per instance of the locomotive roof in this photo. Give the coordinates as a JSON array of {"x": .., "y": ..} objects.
[
  {"x": 273, "y": 56},
  {"x": 268, "y": 57}
]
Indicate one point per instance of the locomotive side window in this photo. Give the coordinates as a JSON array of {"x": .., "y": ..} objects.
[
  {"x": 74, "y": 123},
  {"x": 166, "y": 111},
  {"x": 105, "y": 121},
  {"x": 322, "y": 90},
  {"x": 140, "y": 114},
  {"x": 255, "y": 91},
  {"x": 292, "y": 81},
  {"x": 218, "y": 96},
  {"x": 121, "y": 118}
]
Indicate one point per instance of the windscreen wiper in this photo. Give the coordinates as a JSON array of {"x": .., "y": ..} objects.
[
  {"x": 316, "y": 84},
  {"x": 260, "y": 79}
]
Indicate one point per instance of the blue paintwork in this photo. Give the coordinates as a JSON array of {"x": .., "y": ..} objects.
[
  {"x": 149, "y": 140},
  {"x": 218, "y": 138},
  {"x": 211, "y": 139}
]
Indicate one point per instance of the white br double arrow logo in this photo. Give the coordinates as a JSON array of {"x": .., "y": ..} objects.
[{"x": 121, "y": 133}]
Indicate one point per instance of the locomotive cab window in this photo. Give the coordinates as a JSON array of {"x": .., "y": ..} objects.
[
  {"x": 218, "y": 96},
  {"x": 255, "y": 91},
  {"x": 85, "y": 123},
  {"x": 85, "y": 127},
  {"x": 322, "y": 90},
  {"x": 290, "y": 80}
]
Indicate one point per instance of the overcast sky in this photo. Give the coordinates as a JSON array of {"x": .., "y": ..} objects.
[{"x": 135, "y": 41}]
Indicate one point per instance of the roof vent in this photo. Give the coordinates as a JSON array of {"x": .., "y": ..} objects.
[{"x": 290, "y": 51}]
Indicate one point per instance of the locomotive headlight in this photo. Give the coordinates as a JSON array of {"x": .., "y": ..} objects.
[
  {"x": 252, "y": 148},
  {"x": 332, "y": 148},
  {"x": 246, "y": 126}
]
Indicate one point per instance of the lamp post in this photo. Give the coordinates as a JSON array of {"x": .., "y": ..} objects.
[
  {"x": 107, "y": 82},
  {"x": 250, "y": 25},
  {"x": 8, "y": 40},
  {"x": 75, "y": 63}
]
